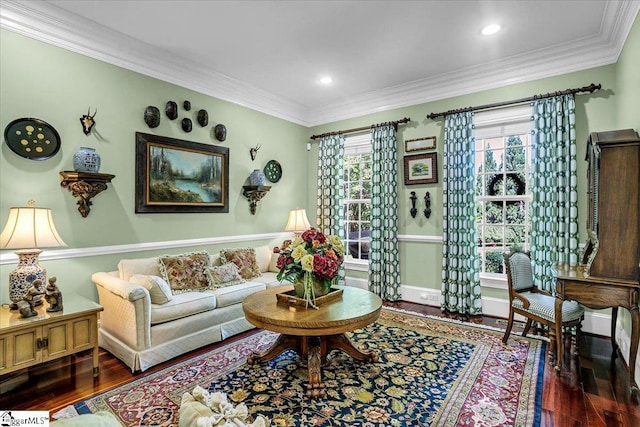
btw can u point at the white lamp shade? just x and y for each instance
(298, 222)
(30, 227)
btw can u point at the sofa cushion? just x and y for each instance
(129, 267)
(235, 294)
(183, 305)
(186, 272)
(224, 275)
(273, 263)
(159, 289)
(244, 259)
(263, 257)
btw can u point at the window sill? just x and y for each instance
(497, 281)
(356, 264)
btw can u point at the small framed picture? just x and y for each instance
(417, 144)
(421, 169)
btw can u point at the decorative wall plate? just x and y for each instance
(273, 171)
(32, 139)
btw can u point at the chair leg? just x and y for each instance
(527, 327)
(507, 332)
(551, 354)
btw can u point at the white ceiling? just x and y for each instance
(269, 55)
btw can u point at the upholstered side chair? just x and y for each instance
(535, 304)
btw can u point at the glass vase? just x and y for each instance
(317, 286)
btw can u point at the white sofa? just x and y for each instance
(143, 334)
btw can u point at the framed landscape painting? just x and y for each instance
(421, 169)
(173, 175)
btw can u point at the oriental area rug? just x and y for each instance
(431, 372)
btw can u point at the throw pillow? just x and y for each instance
(159, 289)
(129, 267)
(244, 259)
(186, 272)
(225, 275)
(99, 419)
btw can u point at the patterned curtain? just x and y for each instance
(330, 216)
(384, 268)
(554, 209)
(460, 261)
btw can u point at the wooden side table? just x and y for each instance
(26, 342)
(599, 293)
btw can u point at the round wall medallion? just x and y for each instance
(203, 118)
(171, 110)
(186, 125)
(273, 171)
(32, 139)
(152, 116)
(220, 132)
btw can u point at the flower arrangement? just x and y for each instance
(311, 257)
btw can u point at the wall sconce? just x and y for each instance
(427, 205)
(413, 210)
(298, 222)
(28, 228)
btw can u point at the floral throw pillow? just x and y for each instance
(225, 275)
(244, 259)
(186, 272)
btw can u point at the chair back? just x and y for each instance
(519, 271)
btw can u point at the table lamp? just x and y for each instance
(297, 222)
(27, 229)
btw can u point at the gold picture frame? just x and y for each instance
(419, 144)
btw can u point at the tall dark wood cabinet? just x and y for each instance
(609, 276)
(614, 205)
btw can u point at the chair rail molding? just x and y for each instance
(11, 258)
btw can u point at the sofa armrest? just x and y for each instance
(127, 310)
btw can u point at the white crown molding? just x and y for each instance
(590, 52)
(45, 22)
(48, 23)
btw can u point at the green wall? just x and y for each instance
(57, 86)
(628, 77)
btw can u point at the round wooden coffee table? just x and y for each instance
(313, 333)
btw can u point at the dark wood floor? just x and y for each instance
(588, 392)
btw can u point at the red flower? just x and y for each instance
(283, 260)
(313, 234)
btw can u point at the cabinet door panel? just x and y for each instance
(83, 333)
(3, 354)
(24, 347)
(58, 340)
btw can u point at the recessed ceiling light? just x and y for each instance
(490, 29)
(326, 80)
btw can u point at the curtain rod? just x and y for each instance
(395, 124)
(591, 88)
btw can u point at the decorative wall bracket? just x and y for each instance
(254, 193)
(427, 205)
(84, 186)
(413, 199)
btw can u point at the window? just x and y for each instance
(357, 195)
(503, 194)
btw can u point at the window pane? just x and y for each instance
(493, 212)
(516, 236)
(493, 262)
(515, 212)
(493, 236)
